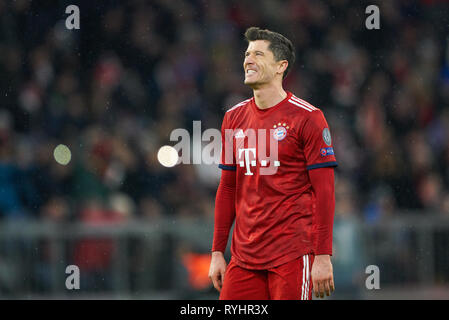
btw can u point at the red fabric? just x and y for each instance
(289, 281)
(274, 205)
(224, 210)
(323, 185)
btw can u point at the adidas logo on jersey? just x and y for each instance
(239, 134)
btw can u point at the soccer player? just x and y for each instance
(282, 204)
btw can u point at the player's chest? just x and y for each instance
(280, 130)
(267, 143)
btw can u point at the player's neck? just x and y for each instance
(268, 97)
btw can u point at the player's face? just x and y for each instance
(260, 65)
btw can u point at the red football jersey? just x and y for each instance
(271, 151)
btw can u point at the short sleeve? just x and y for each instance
(227, 146)
(317, 142)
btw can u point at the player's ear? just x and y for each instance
(282, 66)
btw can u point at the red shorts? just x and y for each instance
(289, 281)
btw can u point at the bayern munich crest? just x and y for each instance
(280, 131)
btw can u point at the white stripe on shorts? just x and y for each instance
(307, 278)
(303, 276)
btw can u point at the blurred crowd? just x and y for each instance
(114, 90)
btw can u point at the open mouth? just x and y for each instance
(250, 72)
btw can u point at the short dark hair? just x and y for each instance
(281, 47)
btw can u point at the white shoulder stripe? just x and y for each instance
(303, 102)
(300, 105)
(239, 104)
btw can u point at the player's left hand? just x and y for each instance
(322, 276)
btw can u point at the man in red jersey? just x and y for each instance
(277, 183)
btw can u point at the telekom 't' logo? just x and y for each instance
(249, 161)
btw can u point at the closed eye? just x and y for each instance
(257, 53)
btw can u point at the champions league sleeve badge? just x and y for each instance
(327, 136)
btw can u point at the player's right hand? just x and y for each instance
(217, 269)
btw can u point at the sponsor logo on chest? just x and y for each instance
(266, 153)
